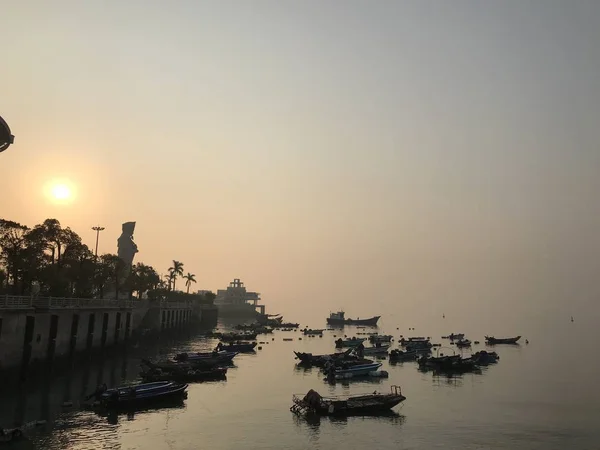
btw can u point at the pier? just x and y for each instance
(37, 329)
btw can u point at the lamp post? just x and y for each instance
(97, 230)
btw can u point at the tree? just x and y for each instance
(13, 245)
(175, 271)
(189, 279)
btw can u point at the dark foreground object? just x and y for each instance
(313, 403)
(6, 138)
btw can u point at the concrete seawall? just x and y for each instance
(34, 330)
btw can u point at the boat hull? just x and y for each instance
(494, 341)
(372, 322)
(144, 393)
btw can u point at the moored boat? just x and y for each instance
(338, 318)
(463, 343)
(381, 338)
(311, 332)
(187, 376)
(142, 393)
(399, 355)
(222, 356)
(313, 403)
(483, 358)
(454, 336)
(353, 342)
(357, 370)
(241, 347)
(376, 350)
(320, 360)
(491, 340)
(246, 336)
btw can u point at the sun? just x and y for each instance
(61, 192)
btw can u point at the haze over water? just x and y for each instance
(539, 396)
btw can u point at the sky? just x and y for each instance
(416, 157)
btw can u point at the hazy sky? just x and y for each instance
(425, 155)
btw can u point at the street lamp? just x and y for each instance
(97, 230)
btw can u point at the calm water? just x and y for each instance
(540, 396)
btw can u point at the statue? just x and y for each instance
(127, 248)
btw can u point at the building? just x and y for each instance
(237, 301)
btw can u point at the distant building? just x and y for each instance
(237, 301)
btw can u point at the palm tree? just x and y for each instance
(175, 271)
(189, 279)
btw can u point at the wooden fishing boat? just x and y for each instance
(339, 319)
(320, 360)
(223, 357)
(240, 347)
(189, 376)
(311, 332)
(313, 403)
(447, 364)
(354, 342)
(399, 355)
(142, 393)
(357, 370)
(454, 336)
(381, 338)
(376, 350)
(483, 358)
(491, 340)
(231, 337)
(463, 343)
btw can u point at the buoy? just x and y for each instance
(273, 339)
(260, 348)
(299, 339)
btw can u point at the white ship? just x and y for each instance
(236, 301)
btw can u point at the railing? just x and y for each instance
(22, 302)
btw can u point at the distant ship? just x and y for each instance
(236, 301)
(338, 318)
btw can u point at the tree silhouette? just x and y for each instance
(175, 271)
(189, 279)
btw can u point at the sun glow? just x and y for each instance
(60, 192)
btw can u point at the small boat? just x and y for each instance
(416, 344)
(230, 337)
(358, 370)
(376, 350)
(454, 336)
(375, 338)
(142, 393)
(240, 347)
(313, 403)
(483, 358)
(189, 376)
(288, 325)
(447, 364)
(320, 360)
(217, 356)
(338, 318)
(399, 356)
(341, 343)
(463, 343)
(491, 340)
(310, 332)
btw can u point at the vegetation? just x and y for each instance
(49, 260)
